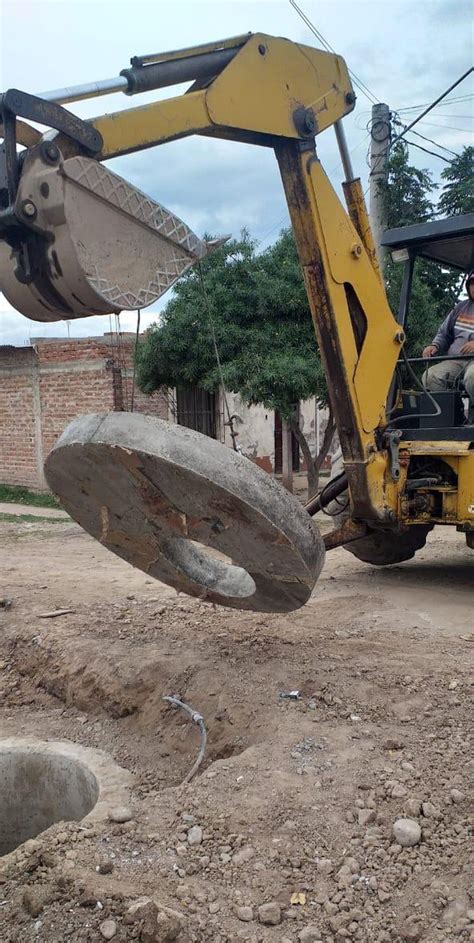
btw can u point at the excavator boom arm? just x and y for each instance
(267, 91)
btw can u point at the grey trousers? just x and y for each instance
(444, 375)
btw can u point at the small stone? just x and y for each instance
(33, 901)
(243, 855)
(195, 835)
(120, 814)
(108, 929)
(457, 795)
(410, 933)
(398, 791)
(245, 914)
(214, 907)
(324, 865)
(413, 806)
(430, 811)
(406, 832)
(392, 744)
(105, 866)
(310, 934)
(366, 816)
(270, 914)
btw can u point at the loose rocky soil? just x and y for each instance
(287, 833)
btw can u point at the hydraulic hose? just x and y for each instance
(329, 493)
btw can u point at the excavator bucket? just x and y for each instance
(86, 242)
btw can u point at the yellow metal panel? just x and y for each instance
(465, 506)
(270, 78)
(357, 209)
(138, 128)
(348, 262)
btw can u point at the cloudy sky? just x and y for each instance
(406, 53)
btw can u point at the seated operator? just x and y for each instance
(455, 336)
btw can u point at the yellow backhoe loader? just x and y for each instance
(77, 240)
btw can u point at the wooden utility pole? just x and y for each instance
(380, 134)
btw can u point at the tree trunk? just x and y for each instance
(313, 465)
(311, 472)
(327, 440)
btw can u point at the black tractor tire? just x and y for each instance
(380, 548)
(383, 549)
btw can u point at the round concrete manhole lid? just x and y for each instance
(187, 510)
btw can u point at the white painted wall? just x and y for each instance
(256, 427)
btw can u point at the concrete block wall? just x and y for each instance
(43, 387)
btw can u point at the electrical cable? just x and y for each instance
(197, 719)
(396, 121)
(444, 104)
(427, 151)
(430, 141)
(436, 101)
(357, 81)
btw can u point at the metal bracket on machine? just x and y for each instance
(13, 104)
(391, 442)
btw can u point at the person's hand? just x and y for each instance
(430, 351)
(467, 348)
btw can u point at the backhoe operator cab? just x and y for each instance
(421, 414)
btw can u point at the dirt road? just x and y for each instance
(287, 833)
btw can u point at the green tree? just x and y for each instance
(458, 192)
(257, 307)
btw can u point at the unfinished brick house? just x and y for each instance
(44, 386)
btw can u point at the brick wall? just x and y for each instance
(44, 386)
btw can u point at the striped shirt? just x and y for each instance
(456, 329)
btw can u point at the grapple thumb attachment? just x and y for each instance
(82, 241)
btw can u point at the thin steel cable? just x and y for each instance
(230, 418)
(132, 399)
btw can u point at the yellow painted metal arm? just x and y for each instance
(272, 88)
(358, 336)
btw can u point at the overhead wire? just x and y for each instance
(355, 78)
(435, 102)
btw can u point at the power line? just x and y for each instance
(430, 141)
(436, 101)
(450, 101)
(425, 149)
(447, 127)
(357, 81)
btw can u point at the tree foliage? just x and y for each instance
(258, 309)
(458, 191)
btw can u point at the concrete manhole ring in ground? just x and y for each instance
(165, 498)
(43, 782)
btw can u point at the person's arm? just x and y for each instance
(443, 339)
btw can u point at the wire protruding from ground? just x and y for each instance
(197, 719)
